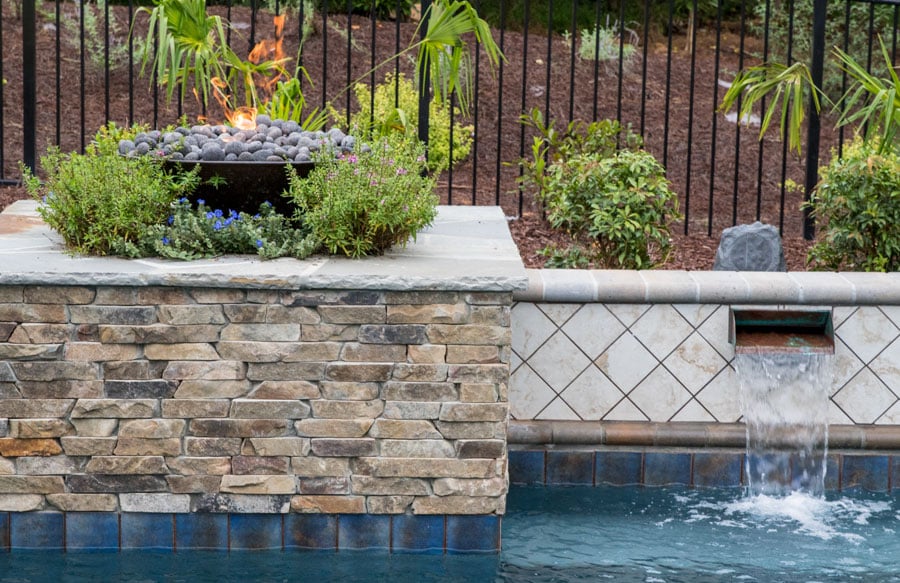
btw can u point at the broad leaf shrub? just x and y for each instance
(98, 201)
(362, 203)
(857, 202)
(401, 116)
(608, 195)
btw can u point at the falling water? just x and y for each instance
(785, 408)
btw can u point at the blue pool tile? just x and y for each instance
(717, 469)
(526, 468)
(147, 531)
(36, 530)
(473, 534)
(618, 468)
(417, 534)
(201, 532)
(256, 531)
(570, 468)
(867, 472)
(310, 531)
(92, 531)
(833, 472)
(662, 469)
(364, 531)
(4, 532)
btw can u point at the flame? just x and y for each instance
(268, 52)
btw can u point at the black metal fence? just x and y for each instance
(659, 66)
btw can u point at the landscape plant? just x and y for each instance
(610, 196)
(364, 202)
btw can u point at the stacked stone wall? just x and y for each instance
(152, 399)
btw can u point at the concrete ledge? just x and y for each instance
(710, 287)
(681, 434)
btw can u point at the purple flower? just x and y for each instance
(401, 171)
(184, 200)
(200, 201)
(219, 213)
(259, 243)
(171, 219)
(165, 240)
(228, 221)
(218, 226)
(210, 215)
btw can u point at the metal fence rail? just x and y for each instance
(69, 67)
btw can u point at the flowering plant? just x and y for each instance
(364, 202)
(195, 233)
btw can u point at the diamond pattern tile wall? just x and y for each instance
(673, 363)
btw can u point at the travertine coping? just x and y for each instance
(467, 249)
(711, 287)
(681, 434)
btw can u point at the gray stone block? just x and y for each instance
(755, 247)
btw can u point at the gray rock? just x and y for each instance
(755, 247)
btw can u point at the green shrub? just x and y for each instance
(857, 202)
(402, 117)
(612, 198)
(98, 200)
(363, 203)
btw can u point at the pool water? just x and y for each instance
(569, 534)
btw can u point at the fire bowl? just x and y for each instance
(242, 185)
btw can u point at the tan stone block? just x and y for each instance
(324, 486)
(152, 428)
(257, 465)
(333, 427)
(367, 485)
(352, 314)
(156, 503)
(420, 372)
(349, 391)
(356, 352)
(35, 313)
(420, 391)
(21, 502)
(7, 467)
(212, 389)
(59, 294)
(411, 410)
(212, 446)
(344, 447)
(427, 353)
(264, 484)
(261, 332)
(39, 428)
(278, 314)
(245, 313)
(35, 408)
(490, 315)
(13, 447)
(417, 448)
(61, 389)
(218, 295)
(474, 412)
(32, 485)
(194, 484)
(428, 314)
(156, 296)
(84, 502)
(95, 427)
(462, 354)
(286, 371)
(240, 427)
(425, 468)
(115, 408)
(182, 351)
(254, 351)
(328, 504)
(404, 429)
(285, 390)
(219, 370)
(198, 466)
(10, 351)
(488, 298)
(479, 373)
(194, 408)
(139, 446)
(26, 333)
(468, 334)
(97, 352)
(57, 465)
(312, 352)
(276, 446)
(126, 315)
(358, 371)
(478, 392)
(86, 446)
(326, 332)
(392, 298)
(323, 409)
(127, 465)
(474, 430)
(268, 409)
(388, 504)
(480, 448)
(158, 334)
(466, 487)
(187, 315)
(320, 467)
(459, 505)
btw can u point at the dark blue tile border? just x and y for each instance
(665, 469)
(526, 468)
(311, 531)
(92, 531)
(473, 534)
(148, 531)
(364, 532)
(832, 472)
(201, 532)
(718, 469)
(4, 532)
(619, 468)
(570, 468)
(868, 472)
(37, 530)
(417, 534)
(256, 532)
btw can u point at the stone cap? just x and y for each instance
(711, 287)
(466, 249)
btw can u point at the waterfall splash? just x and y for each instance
(785, 408)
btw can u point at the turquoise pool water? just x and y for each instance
(651, 535)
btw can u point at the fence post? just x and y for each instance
(29, 84)
(424, 78)
(813, 129)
